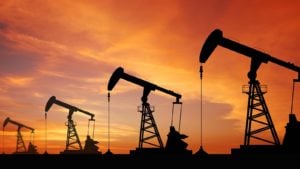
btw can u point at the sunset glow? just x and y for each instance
(69, 49)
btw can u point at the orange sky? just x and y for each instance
(70, 49)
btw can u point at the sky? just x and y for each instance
(69, 49)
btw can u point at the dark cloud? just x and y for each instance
(17, 62)
(3, 25)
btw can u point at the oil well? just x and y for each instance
(20, 145)
(257, 110)
(258, 123)
(149, 133)
(73, 144)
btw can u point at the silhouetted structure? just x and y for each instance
(255, 100)
(72, 136)
(291, 139)
(257, 107)
(201, 152)
(148, 128)
(108, 153)
(175, 143)
(32, 149)
(20, 147)
(90, 145)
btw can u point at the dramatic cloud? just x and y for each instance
(70, 49)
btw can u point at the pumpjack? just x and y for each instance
(149, 133)
(20, 146)
(257, 107)
(73, 144)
